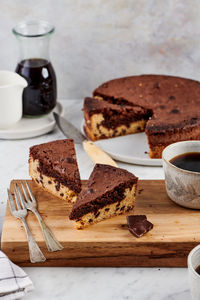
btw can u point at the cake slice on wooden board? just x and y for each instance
(53, 166)
(110, 191)
(105, 120)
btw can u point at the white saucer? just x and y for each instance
(31, 127)
(132, 148)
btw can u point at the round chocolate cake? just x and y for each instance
(171, 107)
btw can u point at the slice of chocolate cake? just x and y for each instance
(109, 192)
(53, 166)
(105, 120)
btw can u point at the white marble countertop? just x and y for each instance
(89, 283)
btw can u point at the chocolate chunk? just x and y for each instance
(57, 186)
(171, 97)
(107, 209)
(138, 225)
(156, 86)
(97, 214)
(70, 160)
(37, 180)
(49, 182)
(174, 111)
(61, 194)
(128, 208)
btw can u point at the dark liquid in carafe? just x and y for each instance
(39, 97)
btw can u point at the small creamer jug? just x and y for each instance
(11, 89)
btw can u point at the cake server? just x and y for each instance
(93, 151)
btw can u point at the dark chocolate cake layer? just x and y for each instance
(111, 112)
(106, 185)
(57, 159)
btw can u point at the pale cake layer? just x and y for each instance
(156, 151)
(109, 210)
(95, 130)
(50, 184)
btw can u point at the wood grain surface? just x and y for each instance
(109, 243)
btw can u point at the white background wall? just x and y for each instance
(97, 40)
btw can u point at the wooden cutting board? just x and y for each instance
(108, 244)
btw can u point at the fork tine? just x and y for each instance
(30, 193)
(25, 192)
(16, 199)
(19, 197)
(11, 201)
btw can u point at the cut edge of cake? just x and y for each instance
(49, 184)
(95, 123)
(110, 210)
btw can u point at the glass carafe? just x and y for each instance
(39, 97)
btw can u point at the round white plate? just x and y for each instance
(31, 127)
(132, 148)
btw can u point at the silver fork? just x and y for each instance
(31, 204)
(20, 212)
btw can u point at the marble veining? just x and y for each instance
(89, 283)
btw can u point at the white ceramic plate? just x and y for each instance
(132, 148)
(31, 127)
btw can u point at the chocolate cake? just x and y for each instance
(53, 167)
(102, 118)
(173, 104)
(109, 191)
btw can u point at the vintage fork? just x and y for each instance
(31, 204)
(20, 212)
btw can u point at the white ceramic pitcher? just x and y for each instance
(11, 88)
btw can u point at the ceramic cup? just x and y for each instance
(11, 88)
(183, 187)
(194, 277)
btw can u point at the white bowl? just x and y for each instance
(194, 277)
(183, 187)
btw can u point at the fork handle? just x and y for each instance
(35, 253)
(51, 242)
